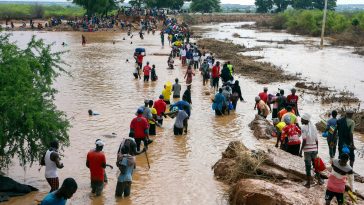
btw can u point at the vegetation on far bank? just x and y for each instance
(347, 28)
(26, 11)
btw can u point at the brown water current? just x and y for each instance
(101, 80)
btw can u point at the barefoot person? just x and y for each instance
(96, 162)
(60, 196)
(51, 161)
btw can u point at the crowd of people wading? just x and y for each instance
(295, 132)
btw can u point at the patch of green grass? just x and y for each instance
(25, 11)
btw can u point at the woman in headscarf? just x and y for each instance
(291, 137)
(236, 94)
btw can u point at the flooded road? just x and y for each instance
(180, 166)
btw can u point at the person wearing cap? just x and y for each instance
(52, 162)
(292, 100)
(96, 162)
(161, 107)
(140, 128)
(345, 130)
(181, 121)
(262, 107)
(309, 146)
(336, 183)
(278, 127)
(291, 137)
(146, 71)
(146, 110)
(60, 196)
(176, 88)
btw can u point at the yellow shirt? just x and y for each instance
(166, 94)
(154, 112)
(280, 126)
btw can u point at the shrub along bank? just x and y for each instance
(346, 28)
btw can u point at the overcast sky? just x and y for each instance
(244, 2)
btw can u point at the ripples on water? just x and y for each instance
(102, 81)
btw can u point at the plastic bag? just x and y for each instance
(319, 165)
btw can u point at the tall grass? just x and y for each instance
(309, 22)
(25, 11)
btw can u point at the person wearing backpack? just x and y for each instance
(126, 165)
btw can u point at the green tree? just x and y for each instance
(205, 6)
(29, 120)
(281, 5)
(320, 4)
(173, 4)
(137, 3)
(98, 6)
(313, 4)
(263, 6)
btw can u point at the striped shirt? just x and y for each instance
(310, 135)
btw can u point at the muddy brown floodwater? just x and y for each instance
(180, 166)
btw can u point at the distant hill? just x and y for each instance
(350, 7)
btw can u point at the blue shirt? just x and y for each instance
(127, 177)
(331, 123)
(219, 101)
(52, 199)
(180, 104)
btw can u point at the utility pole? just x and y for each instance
(323, 26)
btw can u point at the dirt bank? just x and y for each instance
(266, 175)
(327, 95)
(194, 19)
(261, 72)
(358, 118)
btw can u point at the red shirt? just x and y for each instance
(263, 96)
(215, 72)
(293, 133)
(139, 124)
(96, 160)
(160, 106)
(292, 99)
(147, 70)
(140, 58)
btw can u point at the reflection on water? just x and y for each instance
(101, 80)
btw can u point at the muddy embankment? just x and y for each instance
(261, 72)
(267, 175)
(265, 72)
(194, 19)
